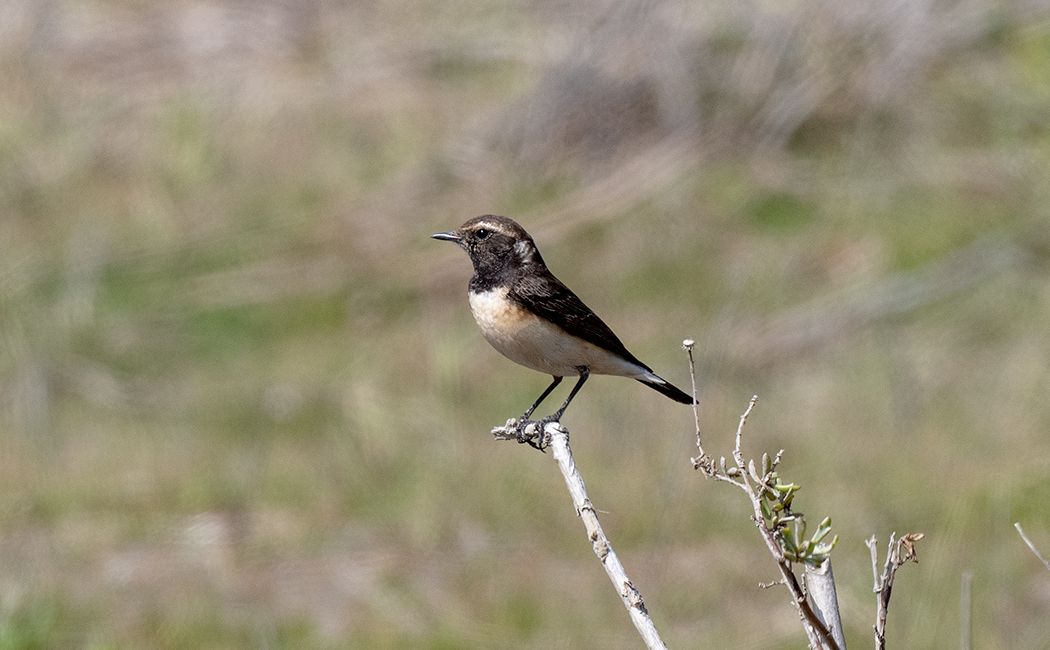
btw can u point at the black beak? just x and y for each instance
(447, 236)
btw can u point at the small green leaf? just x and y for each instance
(800, 531)
(822, 531)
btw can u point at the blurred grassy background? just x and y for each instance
(244, 404)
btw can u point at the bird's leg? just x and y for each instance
(556, 417)
(585, 372)
(528, 412)
(524, 420)
(537, 441)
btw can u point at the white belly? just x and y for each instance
(524, 338)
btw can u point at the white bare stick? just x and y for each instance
(820, 583)
(632, 600)
(1027, 541)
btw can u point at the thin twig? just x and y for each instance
(703, 460)
(738, 456)
(883, 587)
(1027, 541)
(899, 552)
(872, 545)
(632, 599)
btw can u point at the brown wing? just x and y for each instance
(546, 296)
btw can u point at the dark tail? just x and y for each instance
(668, 389)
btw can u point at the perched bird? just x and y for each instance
(533, 319)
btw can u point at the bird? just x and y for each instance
(529, 316)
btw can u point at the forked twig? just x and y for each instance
(755, 484)
(900, 551)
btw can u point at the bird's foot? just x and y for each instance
(531, 433)
(534, 432)
(525, 431)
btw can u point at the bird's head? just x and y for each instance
(494, 243)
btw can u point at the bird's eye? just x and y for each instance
(481, 233)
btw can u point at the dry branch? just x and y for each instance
(820, 584)
(557, 439)
(899, 552)
(1030, 545)
(784, 532)
(757, 485)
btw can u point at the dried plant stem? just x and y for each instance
(818, 633)
(823, 625)
(744, 477)
(817, 605)
(1031, 546)
(820, 584)
(632, 599)
(899, 552)
(703, 460)
(556, 438)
